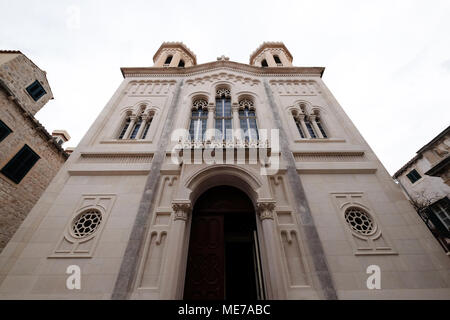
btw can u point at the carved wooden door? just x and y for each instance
(205, 272)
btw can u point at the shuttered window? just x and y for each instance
(35, 90)
(17, 168)
(4, 130)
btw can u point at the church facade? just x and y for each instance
(223, 180)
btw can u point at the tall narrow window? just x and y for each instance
(277, 60)
(147, 126)
(181, 64)
(137, 125)
(4, 130)
(310, 129)
(264, 63)
(247, 119)
(124, 128)
(35, 90)
(322, 130)
(199, 117)
(223, 114)
(17, 168)
(168, 60)
(299, 128)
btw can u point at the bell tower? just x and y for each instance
(173, 55)
(271, 54)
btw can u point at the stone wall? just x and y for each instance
(18, 72)
(16, 200)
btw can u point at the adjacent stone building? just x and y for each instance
(223, 180)
(425, 180)
(29, 155)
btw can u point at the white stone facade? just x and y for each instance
(139, 250)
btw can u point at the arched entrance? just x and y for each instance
(223, 257)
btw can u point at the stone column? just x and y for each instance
(265, 211)
(175, 59)
(130, 127)
(210, 121)
(172, 273)
(301, 118)
(236, 125)
(141, 128)
(155, 121)
(269, 58)
(312, 118)
(293, 126)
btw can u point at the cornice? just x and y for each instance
(222, 64)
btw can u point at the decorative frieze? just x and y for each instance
(148, 87)
(211, 78)
(295, 87)
(115, 158)
(329, 156)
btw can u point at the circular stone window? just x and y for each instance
(359, 220)
(86, 223)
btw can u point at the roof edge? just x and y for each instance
(131, 71)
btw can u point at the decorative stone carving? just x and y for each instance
(246, 103)
(365, 233)
(84, 230)
(181, 210)
(295, 87)
(223, 92)
(265, 209)
(223, 58)
(212, 78)
(200, 104)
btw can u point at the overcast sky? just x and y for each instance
(387, 62)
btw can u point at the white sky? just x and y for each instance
(387, 62)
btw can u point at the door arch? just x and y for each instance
(223, 256)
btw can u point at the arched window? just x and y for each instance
(247, 120)
(136, 127)
(125, 127)
(277, 60)
(298, 124)
(181, 64)
(168, 60)
(264, 63)
(147, 126)
(223, 114)
(360, 221)
(310, 128)
(199, 117)
(322, 130)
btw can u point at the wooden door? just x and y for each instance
(205, 272)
